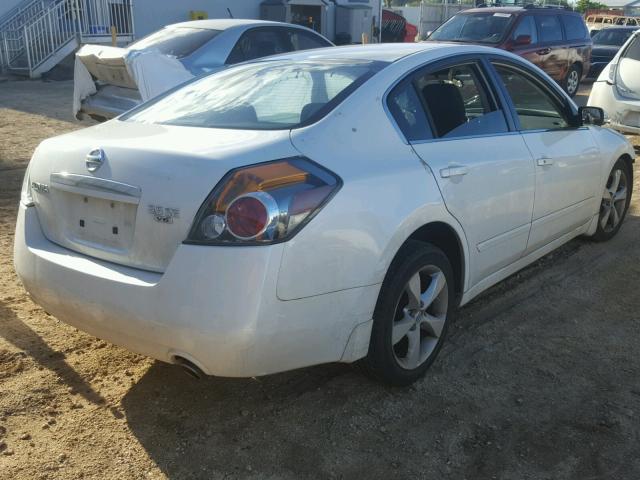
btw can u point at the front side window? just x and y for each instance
(458, 104)
(549, 27)
(274, 95)
(258, 43)
(474, 27)
(175, 41)
(535, 107)
(574, 27)
(527, 26)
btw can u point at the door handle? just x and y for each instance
(453, 172)
(543, 51)
(544, 161)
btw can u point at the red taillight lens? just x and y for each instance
(263, 203)
(247, 217)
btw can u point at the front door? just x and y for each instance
(484, 171)
(566, 158)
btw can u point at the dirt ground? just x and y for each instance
(539, 379)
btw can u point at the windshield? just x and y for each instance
(474, 27)
(612, 37)
(270, 95)
(175, 41)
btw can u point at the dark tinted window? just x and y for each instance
(574, 27)
(405, 107)
(611, 36)
(175, 41)
(303, 40)
(549, 28)
(536, 108)
(633, 50)
(474, 27)
(526, 26)
(457, 103)
(258, 43)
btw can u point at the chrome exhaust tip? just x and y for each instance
(189, 367)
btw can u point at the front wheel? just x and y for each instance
(572, 80)
(412, 314)
(616, 198)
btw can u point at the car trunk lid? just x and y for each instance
(138, 205)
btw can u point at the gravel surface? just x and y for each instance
(539, 379)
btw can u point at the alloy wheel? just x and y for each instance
(614, 200)
(572, 82)
(420, 317)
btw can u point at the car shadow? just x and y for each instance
(21, 336)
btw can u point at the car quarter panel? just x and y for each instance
(346, 245)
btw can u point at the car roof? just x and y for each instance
(620, 27)
(518, 10)
(227, 23)
(378, 52)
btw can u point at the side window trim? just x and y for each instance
(560, 101)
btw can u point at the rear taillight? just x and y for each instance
(25, 194)
(264, 203)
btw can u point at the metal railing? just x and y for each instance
(96, 17)
(48, 33)
(40, 29)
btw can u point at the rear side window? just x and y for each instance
(633, 50)
(258, 43)
(404, 104)
(527, 26)
(549, 28)
(177, 42)
(303, 40)
(574, 27)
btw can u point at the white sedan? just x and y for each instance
(334, 205)
(617, 89)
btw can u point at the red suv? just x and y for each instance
(554, 39)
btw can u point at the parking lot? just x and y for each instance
(539, 378)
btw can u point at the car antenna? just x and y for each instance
(230, 14)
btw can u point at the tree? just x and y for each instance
(584, 5)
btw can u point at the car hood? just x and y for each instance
(139, 205)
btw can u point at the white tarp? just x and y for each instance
(155, 73)
(149, 71)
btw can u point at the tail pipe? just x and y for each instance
(189, 367)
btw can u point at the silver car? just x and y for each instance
(201, 46)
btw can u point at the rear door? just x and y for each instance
(578, 41)
(566, 158)
(551, 54)
(457, 125)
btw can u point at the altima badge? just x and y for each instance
(94, 159)
(163, 214)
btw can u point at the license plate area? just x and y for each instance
(97, 222)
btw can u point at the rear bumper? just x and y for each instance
(216, 306)
(110, 101)
(623, 113)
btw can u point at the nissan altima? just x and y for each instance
(334, 205)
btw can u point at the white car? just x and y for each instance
(323, 206)
(617, 90)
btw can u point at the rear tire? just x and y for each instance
(414, 309)
(571, 83)
(616, 199)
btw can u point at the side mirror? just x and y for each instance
(522, 40)
(591, 115)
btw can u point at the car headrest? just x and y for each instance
(446, 105)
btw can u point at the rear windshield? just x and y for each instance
(474, 27)
(271, 95)
(611, 36)
(175, 41)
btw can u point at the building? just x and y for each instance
(37, 34)
(629, 8)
